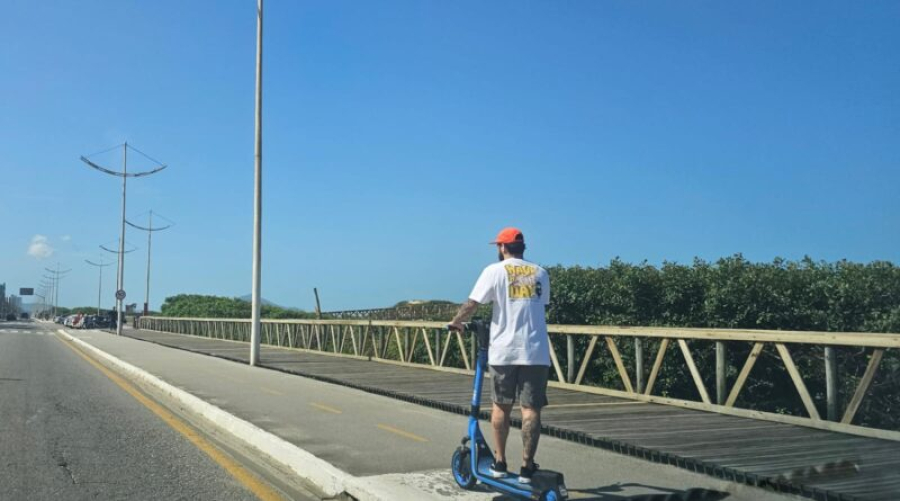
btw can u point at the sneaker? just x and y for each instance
(526, 473)
(498, 469)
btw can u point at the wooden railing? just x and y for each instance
(429, 344)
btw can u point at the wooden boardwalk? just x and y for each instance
(818, 464)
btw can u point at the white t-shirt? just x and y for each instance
(519, 291)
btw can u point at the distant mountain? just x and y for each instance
(265, 302)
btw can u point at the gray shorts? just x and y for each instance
(526, 384)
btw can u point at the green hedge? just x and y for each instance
(201, 306)
(736, 293)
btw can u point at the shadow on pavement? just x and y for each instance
(613, 493)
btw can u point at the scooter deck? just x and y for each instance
(542, 480)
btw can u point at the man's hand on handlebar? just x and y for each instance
(465, 313)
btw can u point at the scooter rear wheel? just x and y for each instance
(461, 465)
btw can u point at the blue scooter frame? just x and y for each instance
(472, 464)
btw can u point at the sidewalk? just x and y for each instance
(396, 446)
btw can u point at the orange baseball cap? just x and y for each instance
(508, 236)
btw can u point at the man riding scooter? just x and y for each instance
(519, 355)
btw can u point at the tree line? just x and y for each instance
(733, 292)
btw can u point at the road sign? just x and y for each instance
(120, 294)
(26, 291)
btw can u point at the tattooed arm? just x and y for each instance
(463, 315)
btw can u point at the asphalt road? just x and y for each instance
(389, 441)
(67, 431)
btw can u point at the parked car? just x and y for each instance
(11, 316)
(72, 321)
(96, 322)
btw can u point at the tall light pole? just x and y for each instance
(41, 309)
(257, 195)
(120, 258)
(120, 277)
(57, 275)
(149, 229)
(46, 287)
(100, 267)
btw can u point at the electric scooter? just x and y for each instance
(471, 461)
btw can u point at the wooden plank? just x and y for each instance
(638, 365)
(412, 345)
(720, 372)
(385, 341)
(399, 345)
(619, 364)
(694, 372)
(559, 372)
(745, 371)
(851, 429)
(364, 343)
(353, 341)
(428, 346)
(798, 381)
(831, 384)
(587, 358)
(462, 350)
(446, 348)
(863, 386)
(654, 371)
(593, 404)
(876, 340)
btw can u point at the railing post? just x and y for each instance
(831, 389)
(721, 393)
(638, 365)
(405, 349)
(570, 358)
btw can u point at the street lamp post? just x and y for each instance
(121, 255)
(57, 275)
(149, 229)
(257, 196)
(120, 278)
(100, 267)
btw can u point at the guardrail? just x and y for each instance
(705, 355)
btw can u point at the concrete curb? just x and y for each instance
(331, 480)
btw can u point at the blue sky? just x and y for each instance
(401, 136)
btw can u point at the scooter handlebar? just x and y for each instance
(481, 330)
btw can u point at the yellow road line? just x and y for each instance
(270, 391)
(249, 480)
(326, 408)
(402, 433)
(595, 403)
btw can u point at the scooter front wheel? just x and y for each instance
(551, 495)
(461, 465)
